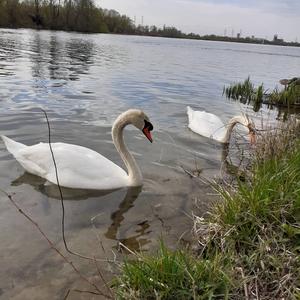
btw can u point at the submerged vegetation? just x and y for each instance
(248, 246)
(247, 93)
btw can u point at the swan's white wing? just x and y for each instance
(78, 167)
(206, 124)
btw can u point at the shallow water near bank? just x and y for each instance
(84, 82)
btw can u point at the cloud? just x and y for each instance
(289, 7)
(260, 18)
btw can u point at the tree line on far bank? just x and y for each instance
(69, 15)
(73, 15)
(85, 16)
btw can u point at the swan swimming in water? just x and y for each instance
(80, 167)
(211, 126)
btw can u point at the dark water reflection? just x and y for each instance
(118, 216)
(84, 82)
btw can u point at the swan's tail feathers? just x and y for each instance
(12, 146)
(189, 109)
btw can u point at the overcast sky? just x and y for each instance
(262, 18)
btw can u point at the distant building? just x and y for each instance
(276, 39)
(238, 35)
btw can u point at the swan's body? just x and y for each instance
(80, 167)
(211, 126)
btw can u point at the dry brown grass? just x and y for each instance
(273, 142)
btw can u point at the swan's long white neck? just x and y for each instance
(229, 127)
(134, 172)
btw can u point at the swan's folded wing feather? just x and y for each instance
(207, 124)
(78, 167)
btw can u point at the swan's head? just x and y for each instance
(247, 122)
(252, 133)
(140, 120)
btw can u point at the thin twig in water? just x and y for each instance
(94, 229)
(62, 200)
(59, 187)
(87, 292)
(67, 294)
(102, 278)
(188, 172)
(126, 248)
(99, 292)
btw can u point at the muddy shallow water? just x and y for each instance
(84, 82)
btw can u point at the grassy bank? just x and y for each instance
(248, 247)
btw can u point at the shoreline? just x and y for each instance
(246, 245)
(200, 38)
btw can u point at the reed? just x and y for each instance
(247, 93)
(287, 97)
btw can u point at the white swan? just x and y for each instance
(211, 126)
(80, 167)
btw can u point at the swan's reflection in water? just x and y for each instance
(51, 191)
(136, 241)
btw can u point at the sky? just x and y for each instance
(261, 18)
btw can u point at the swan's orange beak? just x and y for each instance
(252, 135)
(147, 134)
(146, 130)
(252, 138)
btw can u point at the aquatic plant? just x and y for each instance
(240, 91)
(247, 93)
(287, 97)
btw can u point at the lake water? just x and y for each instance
(84, 82)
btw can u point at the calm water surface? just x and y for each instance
(84, 82)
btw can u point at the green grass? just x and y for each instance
(286, 97)
(258, 222)
(173, 275)
(247, 93)
(249, 244)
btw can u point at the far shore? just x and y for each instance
(213, 38)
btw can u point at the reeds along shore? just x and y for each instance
(247, 93)
(248, 246)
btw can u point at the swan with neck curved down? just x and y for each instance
(211, 126)
(80, 167)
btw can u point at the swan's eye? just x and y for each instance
(148, 125)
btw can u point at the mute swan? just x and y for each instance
(209, 125)
(80, 167)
